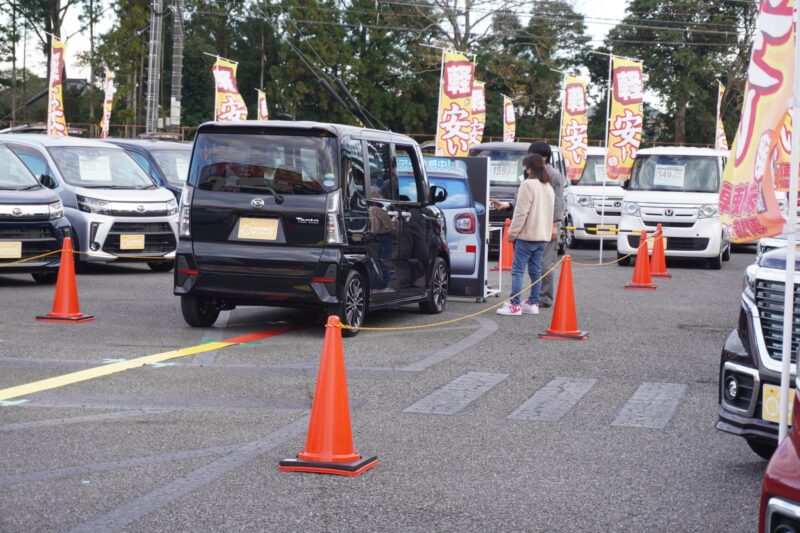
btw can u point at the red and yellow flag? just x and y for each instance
(574, 126)
(108, 103)
(263, 110)
(229, 104)
(721, 141)
(509, 120)
(478, 114)
(454, 126)
(626, 118)
(747, 203)
(56, 121)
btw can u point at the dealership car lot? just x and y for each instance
(479, 425)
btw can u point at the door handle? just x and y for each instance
(406, 215)
(393, 214)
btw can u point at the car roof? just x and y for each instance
(335, 129)
(682, 150)
(154, 144)
(47, 141)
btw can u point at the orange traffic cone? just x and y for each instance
(65, 302)
(329, 443)
(658, 262)
(564, 325)
(507, 251)
(641, 272)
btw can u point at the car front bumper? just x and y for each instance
(702, 240)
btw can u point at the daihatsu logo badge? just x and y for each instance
(669, 212)
(257, 203)
(17, 212)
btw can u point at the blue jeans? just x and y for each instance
(526, 253)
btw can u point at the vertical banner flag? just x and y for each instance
(626, 118)
(263, 111)
(574, 127)
(56, 122)
(108, 103)
(759, 157)
(478, 115)
(721, 142)
(453, 128)
(509, 120)
(229, 104)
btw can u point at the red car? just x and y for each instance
(780, 493)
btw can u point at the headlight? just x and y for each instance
(172, 206)
(56, 210)
(749, 282)
(708, 211)
(93, 205)
(630, 209)
(583, 201)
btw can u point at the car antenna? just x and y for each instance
(358, 106)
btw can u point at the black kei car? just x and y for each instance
(306, 214)
(32, 222)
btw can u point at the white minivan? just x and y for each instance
(678, 188)
(590, 204)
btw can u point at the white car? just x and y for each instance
(590, 204)
(678, 188)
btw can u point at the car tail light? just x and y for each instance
(184, 213)
(334, 228)
(465, 223)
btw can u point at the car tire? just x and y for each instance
(161, 266)
(764, 451)
(726, 254)
(436, 300)
(715, 263)
(623, 262)
(352, 306)
(198, 312)
(45, 278)
(571, 242)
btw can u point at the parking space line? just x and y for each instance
(554, 400)
(651, 406)
(457, 394)
(113, 368)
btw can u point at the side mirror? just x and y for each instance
(480, 209)
(438, 194)
(47, 181)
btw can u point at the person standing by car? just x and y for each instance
(530, 230)
(551, 249)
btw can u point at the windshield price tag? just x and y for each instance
(600, 172)
(182, 168)
(503, 170)
(669, 176)
(95, 168)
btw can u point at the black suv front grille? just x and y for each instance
(676, 244)
(35, 241)
(769, 300)
(158, 238)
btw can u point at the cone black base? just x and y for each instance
(353, 469)
(664, 276)
(83, 318)
(579, 336)
(633, 287)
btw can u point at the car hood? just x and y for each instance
(672, 197)
(611, 191)
(127, 195)
(35, 196)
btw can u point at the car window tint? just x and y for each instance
(380, 173)
(353, 157)
(35, 161)
(457, 192)
(408, 187)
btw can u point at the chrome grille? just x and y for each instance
(769, 300)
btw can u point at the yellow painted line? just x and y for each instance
(105, 370)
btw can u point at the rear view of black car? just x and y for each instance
(32, 222)
(302, 214)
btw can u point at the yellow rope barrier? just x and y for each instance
(54, 252)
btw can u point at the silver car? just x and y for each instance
(117, 212)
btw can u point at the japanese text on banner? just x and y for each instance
(721, 141)
(509, 120)
(108, 103)
(626, 118)
(263, 111)
(454, 124)
(574, 127)
(56, 121)
(759, 155)
(229, 104)
(478, 115)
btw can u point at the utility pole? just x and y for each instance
(154, 65)
(177, 65)
(14, 37)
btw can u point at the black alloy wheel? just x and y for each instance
(199, 312)
(352, 306)
(437, 291)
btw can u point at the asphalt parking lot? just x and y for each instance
(479, 426)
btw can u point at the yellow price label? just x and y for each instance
(258, 229)
(10, 250)
(131, 242)
(771, 404)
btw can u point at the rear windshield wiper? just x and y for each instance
(277, 195)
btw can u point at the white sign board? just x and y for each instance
(503, 171)
(95, 168)
(669, 176)
(182, 168)
(600, 172)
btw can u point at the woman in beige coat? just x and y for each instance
(530, 231)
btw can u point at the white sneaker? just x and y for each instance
(510, 309)
(530, 309)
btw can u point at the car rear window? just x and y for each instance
(289, 164)
(457, 192)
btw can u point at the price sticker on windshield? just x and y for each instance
(669, 176)
(600, 172)
(503, 170)
(94, 168)
(182, 169)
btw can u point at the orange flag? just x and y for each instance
(263, 111)
(56, 121)
(229, 104)
(574, 126)
(454, 126)
(108, 103)
(478, 115)
(509, 120)
(626, 118)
